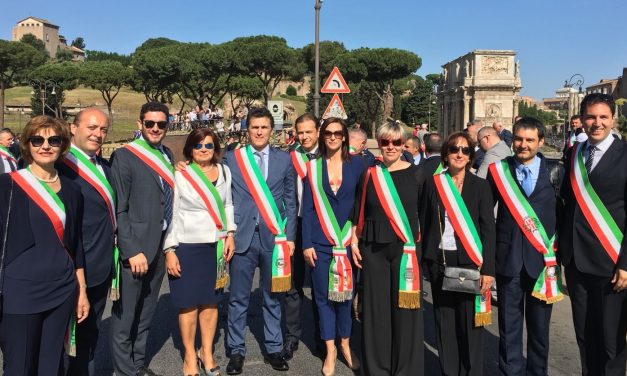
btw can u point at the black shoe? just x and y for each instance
(236, 363)
(145, 371)
(290, 347)
(276, 361)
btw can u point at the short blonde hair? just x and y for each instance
(392, 131)
(38, 123)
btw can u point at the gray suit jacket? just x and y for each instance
(140, 206)
(282, 185)
(497, 153)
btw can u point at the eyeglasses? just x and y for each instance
(385, 142)
(455, 149)
(53, 141)
(208, 146)
(337, 134)
(151, 123)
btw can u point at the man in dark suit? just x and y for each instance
(89, 131)
(518, 263)
(592, 245)
(432, 159)
(144, 211)
(254, 241)
(8, 160)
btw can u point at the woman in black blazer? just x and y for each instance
(43, 280)
(459, 324)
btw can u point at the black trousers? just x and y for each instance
(88, 331)
(600, 320)
(516, 305)
(392, 338)
(460, 343)
(293, 299)
(32, 344)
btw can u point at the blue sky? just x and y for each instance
(553, 38)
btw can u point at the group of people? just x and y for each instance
(78, 229)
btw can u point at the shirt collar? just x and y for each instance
(158, 147)
(535, 163)
(605, 144)
(263, 151)
(83, 152)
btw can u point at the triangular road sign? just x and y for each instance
(335, 109)
(335, 84)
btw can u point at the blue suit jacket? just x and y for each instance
(281, 182)
(342, 203)
(98, 235)
(513, 250)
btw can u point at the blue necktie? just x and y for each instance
(527, 184)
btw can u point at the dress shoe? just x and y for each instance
(145, 371)
(236, 363)
(290, 347)
(276, 361)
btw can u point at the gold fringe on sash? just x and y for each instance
(337, 296)
(409, 299)
(281, 283)
(114, 294)
(543, 297)
(222, 282)
(483, 319)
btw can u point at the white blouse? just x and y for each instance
(191, 221)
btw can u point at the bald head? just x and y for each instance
(498, 126)
(487, 137)
(89, 130)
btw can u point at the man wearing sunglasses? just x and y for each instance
(143, 180)
(93, 175)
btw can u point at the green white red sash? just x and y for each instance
(409, 274)
(6, 153)
(465, 229)
(299, 160)
(47, 200)
(154, 159)
(340, 270)
(548, 284)
(595, 212)
(352, 150)
(439, 169)
(281, 266)
(213, 202)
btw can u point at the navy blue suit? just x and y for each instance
(98, 243)
(518, 265)
(39, 280)
(332, 314)
(253, 248)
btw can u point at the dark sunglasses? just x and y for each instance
(455, 149)
(53, 141)
(151, 123)
(208, 146)
(337, 134)
(385, 142)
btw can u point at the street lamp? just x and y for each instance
(316, 96)
(431, 101)
(575, 80)
(43, 89)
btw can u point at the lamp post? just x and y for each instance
(43, 89)
(575, 80)
(316, 96)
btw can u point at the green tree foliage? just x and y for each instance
(16, 60)
(244, 91)
(153, 43)
(546, 117)
(417, 108)
(270, 59)
(291, 90)
(64, 54)
(65, 75)
(329, 51)
(79, 42)
(35, 42)
(93, 55)
(108, 77)
(156, 73)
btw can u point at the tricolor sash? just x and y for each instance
(409, 275)
(465, 229)
(439, 169)
(153, 159)
(548, 284)
(599, 218)
(78, 162)
(352, 150)
(299, 160)
(212, 200)
(253, 177)
(6, 153)
(340, 270)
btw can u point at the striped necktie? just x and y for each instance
(591, 150)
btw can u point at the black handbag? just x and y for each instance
(458, 279)
(4, 248)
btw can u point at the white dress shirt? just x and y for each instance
(299, 184)
(601, 149)
(191, 221)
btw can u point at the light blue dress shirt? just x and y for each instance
(534, 168)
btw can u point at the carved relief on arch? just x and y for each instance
(493, 110)
(494, 65)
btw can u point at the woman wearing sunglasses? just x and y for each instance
(459, 236)
(198, 245)
(328, 197)
(386, 223)
(42, 275)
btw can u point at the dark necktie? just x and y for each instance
(167, 195)
(592, 149)
(311, 156)
(12, 165)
